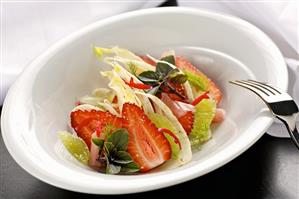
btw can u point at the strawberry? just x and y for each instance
(86, 123)
(79, 116)
(183, 63)
(187, 121)
(147, 60)
(148, 147)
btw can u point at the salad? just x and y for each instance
(152, 113)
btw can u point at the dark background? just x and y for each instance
(268, 170)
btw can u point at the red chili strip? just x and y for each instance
(132, 84)
(176, 140)
(201, 97)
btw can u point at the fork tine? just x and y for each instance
(260, 86)
(264, 91)
(252, 88)
(265, 85)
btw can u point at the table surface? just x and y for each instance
(268, 170)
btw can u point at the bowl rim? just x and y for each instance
(234, 150)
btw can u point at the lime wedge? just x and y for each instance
(75, 145)
(203, 116)
(197, 81)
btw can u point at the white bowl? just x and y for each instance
(38, 103)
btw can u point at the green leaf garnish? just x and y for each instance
(179, 79)
(108, 148)
(176, 76)
(170, 59)
(130, 168)
(122, 157)
(114, 153)
(149, 77)
(99, 142)
(119, 139)
(159, 79)
(163, 68)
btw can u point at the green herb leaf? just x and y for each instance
(109, 148)
(112, 168)
(179, 79)
(149, 77)
(177, 76)
(169, 59)
(122, 157)
(130, 168)
(114, 153)
(98, 142)
(163, 68)
(119, 139)
(173, 73)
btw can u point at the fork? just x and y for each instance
(280, 103)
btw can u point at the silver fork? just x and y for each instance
(280, 103)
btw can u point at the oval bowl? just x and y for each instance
(227, 48)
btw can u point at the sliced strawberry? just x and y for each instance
(87, 128)
(147, 60)
(183, 63)
(79, 116)
(148, 147)
(85, 123)
(187, 121)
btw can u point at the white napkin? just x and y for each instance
(29, 28)
(279, 20)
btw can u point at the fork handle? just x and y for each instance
(292, 129)
(295, 136)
